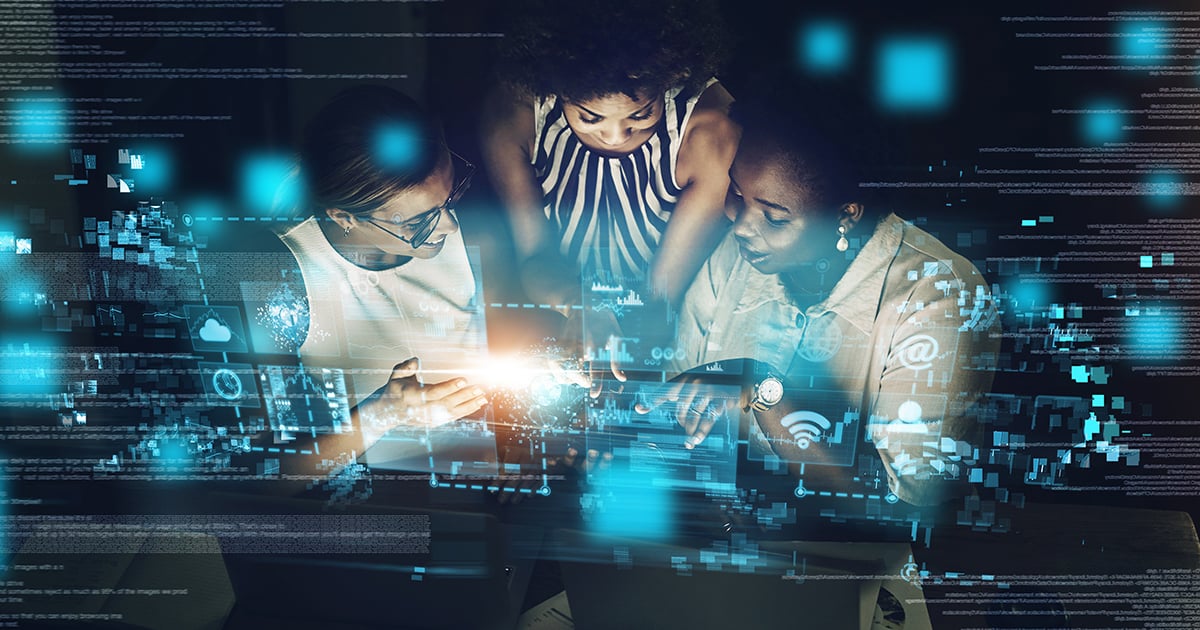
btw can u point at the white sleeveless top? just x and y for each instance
(610, 212)
(365, 322)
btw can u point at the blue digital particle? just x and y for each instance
(269, 183)
(1164, 190)
(1079, 373)
(914, 74)
(154, 172)
(1102, 121)
(824, 46)
(397, 146)
(632, 506)
(1138, 39)
(1153, 333)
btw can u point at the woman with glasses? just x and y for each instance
(609, 144)
(385, 272)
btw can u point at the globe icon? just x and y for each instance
(822, 339)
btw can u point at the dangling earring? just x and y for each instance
(347, 231)
(842, 243)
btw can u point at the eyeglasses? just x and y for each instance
(422, 226)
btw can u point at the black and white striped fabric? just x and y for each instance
(610, 212)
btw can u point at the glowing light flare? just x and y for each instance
(540, 374)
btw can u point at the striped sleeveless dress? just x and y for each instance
(610, 212)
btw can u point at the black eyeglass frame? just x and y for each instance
(427, 221)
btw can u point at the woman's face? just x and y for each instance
(614, 124)
(404, 212)
(776, 228)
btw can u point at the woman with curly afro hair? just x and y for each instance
(609, 143)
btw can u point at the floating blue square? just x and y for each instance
(914, 74)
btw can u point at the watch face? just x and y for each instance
(770, 391)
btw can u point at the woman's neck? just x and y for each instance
(814, 281)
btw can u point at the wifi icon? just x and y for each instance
(806, 427)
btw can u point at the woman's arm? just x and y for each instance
(508, 139)
(698, 221)
(946, 390)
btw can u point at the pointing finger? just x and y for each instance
(694, 439)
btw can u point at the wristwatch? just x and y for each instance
(767, 393)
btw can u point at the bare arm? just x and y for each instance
(508, 140)
(698, 221)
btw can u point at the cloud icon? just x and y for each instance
(214, 332)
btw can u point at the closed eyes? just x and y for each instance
(647, 115)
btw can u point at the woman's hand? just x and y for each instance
(696, 403)
(700, 398)
(404, 400)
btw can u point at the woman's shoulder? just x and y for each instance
(713, 96)
(504, 106)
(710, 137)
(933, 255)
(509, 118)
